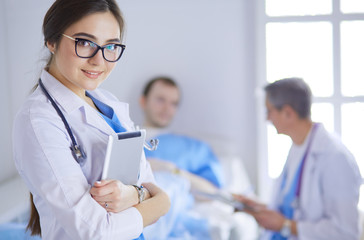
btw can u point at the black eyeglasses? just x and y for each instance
(87, 49)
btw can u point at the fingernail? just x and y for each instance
(98, 182)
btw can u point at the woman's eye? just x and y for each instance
(85, 43)
(110, 47)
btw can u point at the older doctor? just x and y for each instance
(61, 132)
(317, 194)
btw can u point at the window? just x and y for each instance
(297, 7)
(320, 41)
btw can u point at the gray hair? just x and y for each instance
(293, 92)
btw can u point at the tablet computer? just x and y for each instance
(123, 155)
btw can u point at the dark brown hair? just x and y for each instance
(166, 80)
(61, 15)
(64, 13)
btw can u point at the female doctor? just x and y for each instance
(61, 131)
(317, 194)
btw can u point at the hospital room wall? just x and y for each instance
(6, 169)
(206, 45)
(20, 47)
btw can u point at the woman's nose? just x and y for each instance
(97, 59)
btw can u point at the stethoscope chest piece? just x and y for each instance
(79, 154)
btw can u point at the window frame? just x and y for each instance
(337, 99)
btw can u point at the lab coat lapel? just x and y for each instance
(93, 118)
(122, 112)
(121, 109)
(310, 165)
(73, 105)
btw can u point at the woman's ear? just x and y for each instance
(51, 47)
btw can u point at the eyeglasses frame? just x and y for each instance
(98, 47)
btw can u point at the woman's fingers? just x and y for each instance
(108, 205)
(113, 195)
(104, 188)
(104, 198)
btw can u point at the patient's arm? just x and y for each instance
(197, 183)
(161, 165)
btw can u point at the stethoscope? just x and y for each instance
(77, 151)
(299, 173)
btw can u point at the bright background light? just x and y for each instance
(352, 6)
(301, 50)
(298, 7)
(352, 58)
(306, 49)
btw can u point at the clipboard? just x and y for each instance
(123, 156)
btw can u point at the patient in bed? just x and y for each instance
(183, 167)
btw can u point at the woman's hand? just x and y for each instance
(114, 196)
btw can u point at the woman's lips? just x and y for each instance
(92, 74)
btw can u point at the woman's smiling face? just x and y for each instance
(80, 74)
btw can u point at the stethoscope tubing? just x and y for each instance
(70, 133)
(77, 150)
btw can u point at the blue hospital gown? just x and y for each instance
(189, 154)
(196, 157)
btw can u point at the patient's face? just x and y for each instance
(161, 105)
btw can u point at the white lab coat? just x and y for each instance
(329, 192)
(60, 186)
